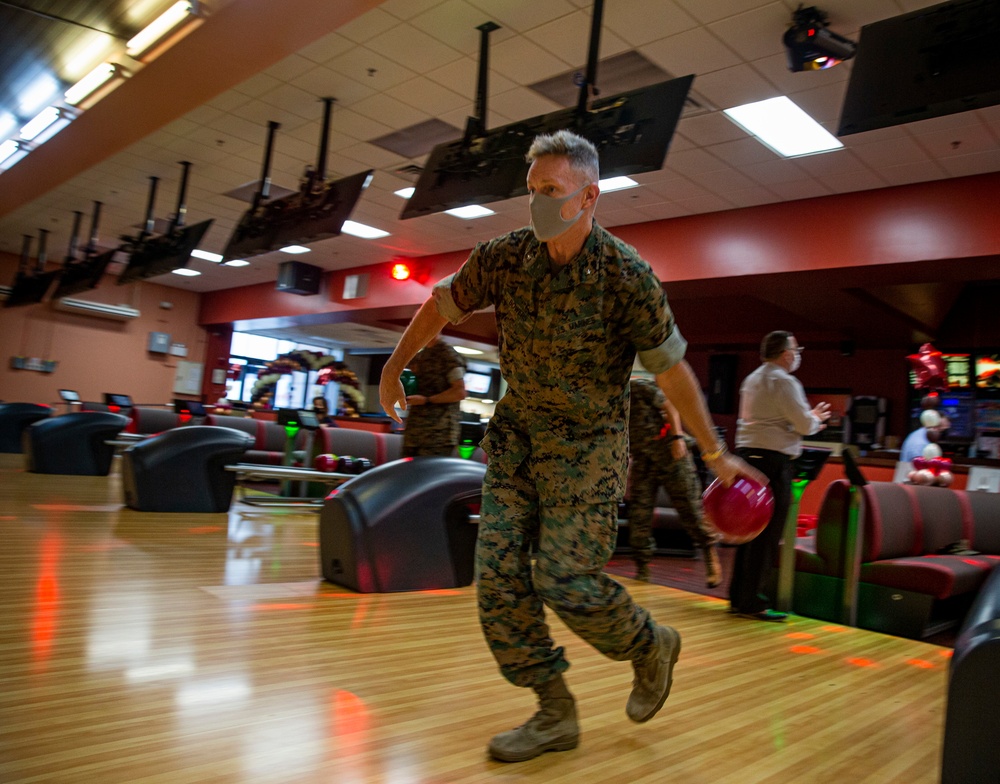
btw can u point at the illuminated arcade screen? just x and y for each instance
(988, 371)
(958, 369)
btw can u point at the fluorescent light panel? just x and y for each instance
(158, 28)
(294, 249)
(470, 212)
(469, 351)
(206, 256)
(189, 273)
(92, 82)
(360, 230)
(405, 193)
(39, 123)
(616, 184)
(784, 127)
(236, 263)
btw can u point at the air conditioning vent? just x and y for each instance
(97, 309)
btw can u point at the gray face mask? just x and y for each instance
(796, 362)
(546, 219)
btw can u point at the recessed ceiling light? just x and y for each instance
(469, 351)
(189, 273)
(784, 127)
(236, 263)
(204, 254)
(616, 184)
(405, 193)
(39, 123)
(470, 212)
(295, 249)
(360, 230)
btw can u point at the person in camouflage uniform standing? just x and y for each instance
(664, 459)
(432, 424)
(574, 305)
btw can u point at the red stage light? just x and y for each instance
(400, 271)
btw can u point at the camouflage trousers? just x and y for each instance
(649, 472)
(570, 546)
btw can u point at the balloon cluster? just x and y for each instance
(931, 470)
(330, 369)
(928, 366)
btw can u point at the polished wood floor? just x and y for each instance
(165, 649)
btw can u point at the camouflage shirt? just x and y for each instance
(434, 424)
(645, 418)
(568, 337)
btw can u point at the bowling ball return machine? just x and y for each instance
(805, 468)
(408, 525)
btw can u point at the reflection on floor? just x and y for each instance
(168, 649)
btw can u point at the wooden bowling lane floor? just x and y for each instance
(167, 649)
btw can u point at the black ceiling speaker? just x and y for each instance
(297, 277)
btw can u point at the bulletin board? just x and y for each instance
(187, 379)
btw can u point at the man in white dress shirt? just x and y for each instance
(774, 416)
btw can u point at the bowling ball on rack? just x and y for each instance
(326, 463)
(345, 465)
(361, 464)
(739, 512)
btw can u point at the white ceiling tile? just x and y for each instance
(848, 182)
(907, 173)
(326, 48)
(734, 86)
(641, 21)
(957, 141)
(755, 33)
(890, 153)
(257, 85)
(722, 181)
(664, 211)
(706, 11)
(688, 162)
(429, 96)
(774, 171)
(292, 67)
(373, 157)
(524, 61)
(407, 9)
(743, 152)
(371, 69)
(975, 163)
(710, 129)
(323, 82)
(799, 189)
(752, 197)
(460, 77)
(521, 103)
(708, 203)
(455, 23)
(522, 15)
(834, 162)
(691, 52)
(368, 25)
(387, 110)
(568, 38)
(412, 48)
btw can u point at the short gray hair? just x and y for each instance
(774, 344)
(582, 155)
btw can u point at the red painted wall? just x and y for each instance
(96, 355)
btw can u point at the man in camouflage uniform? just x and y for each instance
(662, 457)
(573, 307)
(432, 424)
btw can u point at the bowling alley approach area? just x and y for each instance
(173, 648)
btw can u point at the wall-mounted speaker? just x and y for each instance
(722, 383)
(297, 277)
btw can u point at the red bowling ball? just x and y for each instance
(326, 463)
(739, 512)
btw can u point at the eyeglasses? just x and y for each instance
(796, 349)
